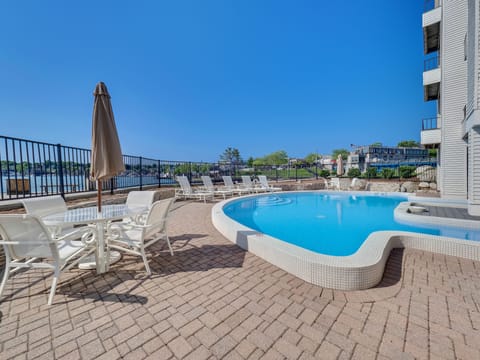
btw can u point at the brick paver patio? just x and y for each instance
(213, 300)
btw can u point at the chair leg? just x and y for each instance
(144, 257)
(5, 278)
(169, 245)
(56, 275)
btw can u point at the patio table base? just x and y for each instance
(89, 262)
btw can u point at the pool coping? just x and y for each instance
(361, 270)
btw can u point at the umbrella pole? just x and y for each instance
(99, 195)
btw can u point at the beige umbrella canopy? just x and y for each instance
(339, 165)
(106, 158)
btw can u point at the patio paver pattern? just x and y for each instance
(213, 300)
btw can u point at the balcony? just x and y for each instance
(431, 26)
(431, 78)
(431, 132)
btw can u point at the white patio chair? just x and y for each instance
(227, 180)
(139, 199)
(187, 192)
(207, 182)
(27, 243)
(134, 239)
(47, 205)
(264, 184)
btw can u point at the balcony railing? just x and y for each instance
(430, 123)
(431, 4)
(431, 63)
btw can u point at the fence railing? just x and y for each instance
(430, 123)
(31, 169)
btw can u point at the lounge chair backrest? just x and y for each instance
(207, 182)
(157, 216)
(44, 206)
(247, 181)
(184, 184)
(29, 237)
(227, 179)
(263, 180)
(140, 198)
(335, 183)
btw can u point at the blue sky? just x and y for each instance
(190, 78)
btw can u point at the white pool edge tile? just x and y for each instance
(361, 270)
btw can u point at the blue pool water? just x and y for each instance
(331, 224)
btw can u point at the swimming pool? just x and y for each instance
(330, 223)
(316, 255)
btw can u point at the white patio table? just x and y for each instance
(90, 215)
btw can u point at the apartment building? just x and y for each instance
(451, 78)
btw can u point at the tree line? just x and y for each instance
(231, 156)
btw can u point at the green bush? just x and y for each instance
(387, 173)
(324, 173)
(353, 172)
(371, 172)
(406, 172)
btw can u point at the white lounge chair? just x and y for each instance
(265, 186)
(207, 182)
(227, 180)
(187, 192)
(248, 184)
(135, 238)
(335, 183)
(27, 243)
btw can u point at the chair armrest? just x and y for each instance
(86, 233)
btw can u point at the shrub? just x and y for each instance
(371, 172)
(353, 172)
(406, 171)
(387, 173)
(324, 173)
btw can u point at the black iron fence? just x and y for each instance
(31, 169)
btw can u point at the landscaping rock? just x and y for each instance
(424, 185)
(384, 187)
(408, 186)
(433, 186)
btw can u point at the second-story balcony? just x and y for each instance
(431, 19)
(431, 131)
(431, 78)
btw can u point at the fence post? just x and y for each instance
(296, 173)
(316, 170)
(112, 183)
(158, 175)
(141, 180)
(61, 185)
(190, 171)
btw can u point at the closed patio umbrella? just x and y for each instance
(339, 165)
(106, 158)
